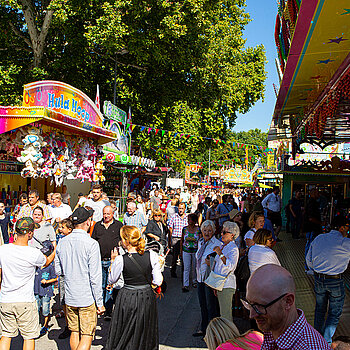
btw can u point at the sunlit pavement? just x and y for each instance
(179, 313)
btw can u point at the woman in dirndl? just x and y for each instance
(134, 323)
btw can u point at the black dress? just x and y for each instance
(134, 323)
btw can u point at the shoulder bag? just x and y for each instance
(242, 271)
(215, 280)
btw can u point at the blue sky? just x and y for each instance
(261, 31)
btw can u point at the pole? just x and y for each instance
(209, 168)
(115, 84)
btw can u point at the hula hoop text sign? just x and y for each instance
(62, 98)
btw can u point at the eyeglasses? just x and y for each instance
(157, 215)
(224, 232)
(259, 308)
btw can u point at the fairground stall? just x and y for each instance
(54, 138)
(313, 103)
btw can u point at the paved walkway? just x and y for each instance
(179, 313)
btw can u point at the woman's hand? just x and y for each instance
(207, 261)
(217, 250)
(215, 292)
(114, 253)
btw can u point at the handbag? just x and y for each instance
(215, 280)
(242, 271)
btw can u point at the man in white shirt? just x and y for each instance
(59, 210)
(18, 308)
(328, 257)
(97, 203)
(273, 204)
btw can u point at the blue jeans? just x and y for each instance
(107, 297)
(330, 293)
(309, 238)
(208, 303)
(44, 303)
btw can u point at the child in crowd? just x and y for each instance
(43, 287)
(65, 228)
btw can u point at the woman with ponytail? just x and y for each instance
(134, 322)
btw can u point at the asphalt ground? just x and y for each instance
(179, 313)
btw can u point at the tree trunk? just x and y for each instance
(37, 36)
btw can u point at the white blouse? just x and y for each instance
(118, 265)
(210, 245)
(231, 253)
(260, 255)
(250, 234)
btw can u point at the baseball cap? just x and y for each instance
(25, 225)
(81, 214)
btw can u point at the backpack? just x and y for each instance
(242, 271)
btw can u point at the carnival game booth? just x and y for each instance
(54, 138)
(313, 102)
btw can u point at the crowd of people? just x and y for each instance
(221, 243)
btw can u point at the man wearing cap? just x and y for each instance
(18, 308)
(78, 259)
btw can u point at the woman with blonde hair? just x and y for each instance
(134, 323)
(256, 221)
(155, 229)
(223, 334)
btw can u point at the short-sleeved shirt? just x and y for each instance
(45, 273)
(224, 208)
(46, 232)
(107, 238)
(27, 211)
(177, 224)
(136, 219)
(296, 206)
(156, 202)
(18, 264)
(97, 207)
(190, 243)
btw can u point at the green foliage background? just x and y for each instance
(180, 65)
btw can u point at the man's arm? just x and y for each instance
(265, 201)
(0, 277)
(49, 259)
(58, 267)
(95, 274)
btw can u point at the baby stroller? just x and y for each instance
(160, 247)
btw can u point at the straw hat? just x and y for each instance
(233, 213)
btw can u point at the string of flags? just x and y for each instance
(163, 132)
(162, 152)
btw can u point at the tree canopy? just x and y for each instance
(180, 65)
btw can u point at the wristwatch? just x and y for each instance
(221, 256)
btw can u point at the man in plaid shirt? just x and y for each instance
(176, 224)
(271, 302)
(27, 209)
(133, 217)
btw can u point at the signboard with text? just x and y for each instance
(113, 112)
(62, 98)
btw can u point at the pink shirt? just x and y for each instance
(254, 336)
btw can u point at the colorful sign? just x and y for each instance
(14, 117)
(214, 173)
(237, 175)
(113, 112)
(62, 98)
(131, 160)
(271, 161)
(120, 145)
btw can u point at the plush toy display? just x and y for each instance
(59, 157)
(31, 155)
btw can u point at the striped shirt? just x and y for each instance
(137, 219)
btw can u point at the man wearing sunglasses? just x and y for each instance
(328, 257)
(270, 300)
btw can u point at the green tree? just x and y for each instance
(180, 65)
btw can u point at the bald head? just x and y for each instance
(271, 280)
(107, 214)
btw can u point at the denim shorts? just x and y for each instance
(44, 304)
